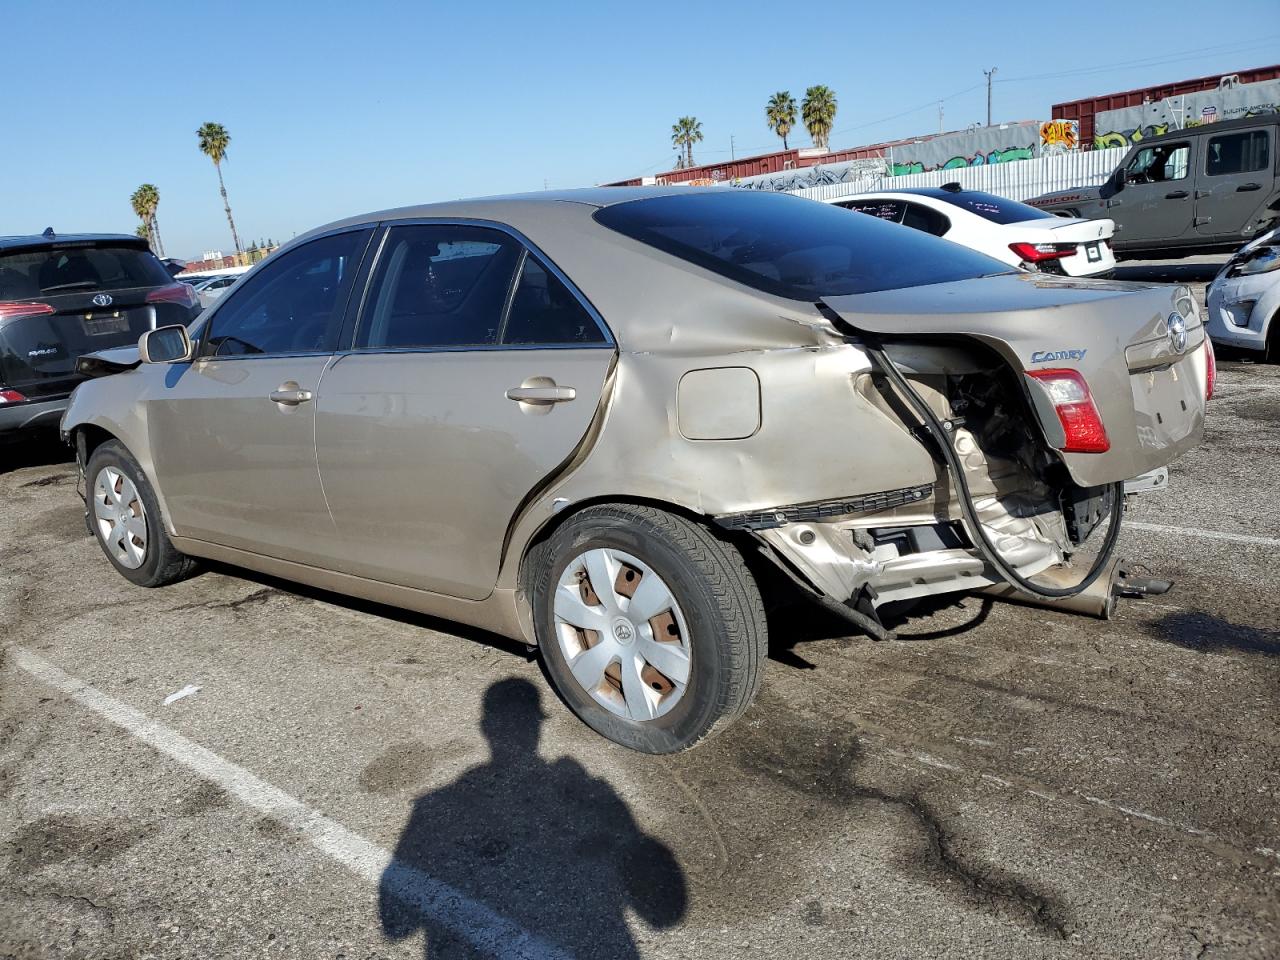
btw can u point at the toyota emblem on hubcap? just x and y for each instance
(1177, 332)
(102, 300)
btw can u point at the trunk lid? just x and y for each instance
(1149, 393)
(1065, 230)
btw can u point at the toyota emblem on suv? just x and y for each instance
(102, 300)
(1177, 333)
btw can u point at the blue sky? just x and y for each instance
(340, 108)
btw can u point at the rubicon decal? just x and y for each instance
(1044, 356)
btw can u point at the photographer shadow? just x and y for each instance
(522, 849)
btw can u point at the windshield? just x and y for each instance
(990, 207)
(36, 273)
(793, 247)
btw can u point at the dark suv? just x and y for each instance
(64, 296)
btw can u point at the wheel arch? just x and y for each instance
(530, 549)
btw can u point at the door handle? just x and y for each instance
(290, 394)
(1246, 187)
(1176, 195)
(542, 396)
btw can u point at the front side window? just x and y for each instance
(791, 247)
(1238, 153)
(1159, 164)
(543, 310)
(294, 304)
(439, 285)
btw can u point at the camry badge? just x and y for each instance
(1177, 333)
(102, 300)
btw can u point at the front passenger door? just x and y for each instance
(233, 433)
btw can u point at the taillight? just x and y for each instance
(15, 309)
(182, 293)
(11, 396)
(1210, 369)
(1076, 411)
(1038, 252)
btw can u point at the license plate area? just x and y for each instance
(1092, 253)
(103, 324)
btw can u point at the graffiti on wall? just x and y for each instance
(1059, 136)
(1120, 128)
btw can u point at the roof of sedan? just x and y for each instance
(40, 240)
(589, 196)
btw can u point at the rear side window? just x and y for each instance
(990, 207)
(293, 304)
(1238, 153)
(792, 247)
(543, 310)
(36, 273)
(919, 217)
(439, 285)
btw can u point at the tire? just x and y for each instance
(1272, 352)
(712, 627)
(149, 559)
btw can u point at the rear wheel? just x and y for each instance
(650, 627)
(125, 517)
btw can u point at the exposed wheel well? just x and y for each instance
(532, 550)
(92, 436)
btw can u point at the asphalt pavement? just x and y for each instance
(351, 781)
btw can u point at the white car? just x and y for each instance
(1011, 232)
(1244, 299)
(213, 289)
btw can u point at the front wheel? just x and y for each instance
(125, 517)
(651, 628)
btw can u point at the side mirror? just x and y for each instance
(166, 345)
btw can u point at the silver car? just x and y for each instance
(600, 421)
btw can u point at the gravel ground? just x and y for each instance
(1001, 781)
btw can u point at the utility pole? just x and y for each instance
(939, 116)
(989, 74)
(731, 154)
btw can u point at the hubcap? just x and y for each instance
(622, 634)
(121, 520)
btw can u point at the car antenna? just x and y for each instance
(48, 233)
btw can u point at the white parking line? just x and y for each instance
(1205, 534)
(482, 927)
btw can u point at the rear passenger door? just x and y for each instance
(474, 371)
(1235, 179)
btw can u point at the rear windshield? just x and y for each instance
(35, 273)
(792, 247)
(990, 207)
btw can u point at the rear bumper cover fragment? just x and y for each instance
(825, 510)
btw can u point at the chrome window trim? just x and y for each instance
(529, 249)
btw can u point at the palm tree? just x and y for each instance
(214, 141)
(780, 112)
(145, 200)
(143, 231)
(819, 112)
(685, 132)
